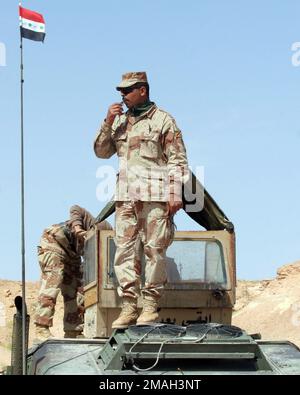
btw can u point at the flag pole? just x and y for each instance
(24, 313)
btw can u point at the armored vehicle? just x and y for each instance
(194, 334)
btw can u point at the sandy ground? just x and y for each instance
(270, 307)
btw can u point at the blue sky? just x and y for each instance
(224, 70)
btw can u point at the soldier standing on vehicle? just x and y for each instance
(59, 254)
(152, 162)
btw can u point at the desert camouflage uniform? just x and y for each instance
(59, 255)
(152, 160)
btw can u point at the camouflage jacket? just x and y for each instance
(152, 155)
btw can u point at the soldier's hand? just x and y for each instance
(114, 110)
(81, 235)
(174, 205)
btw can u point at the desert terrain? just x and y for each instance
(270, 307)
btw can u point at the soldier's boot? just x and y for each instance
(73, 335)
(149, 314)
(128, 315)
(42, 333)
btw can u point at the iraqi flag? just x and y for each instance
(32, 25)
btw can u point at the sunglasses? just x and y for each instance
(137, 85)
(125, 91)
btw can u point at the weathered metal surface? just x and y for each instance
(126, 352)
(62, 356)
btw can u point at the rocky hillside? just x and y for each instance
(271, 307)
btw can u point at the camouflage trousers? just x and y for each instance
(61, 271)
(142, 227)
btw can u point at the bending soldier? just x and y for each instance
(59, 254)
